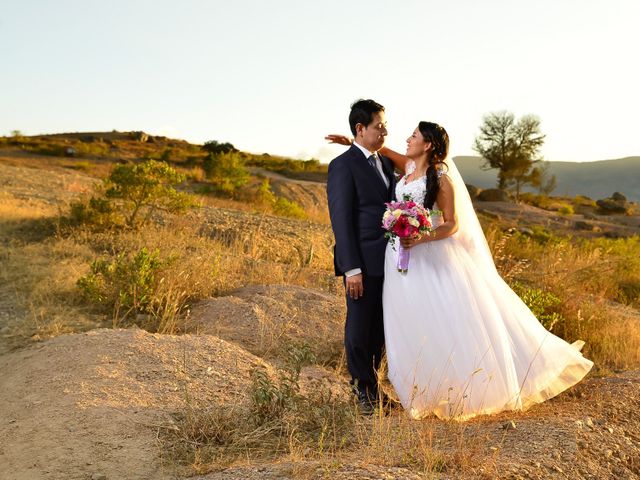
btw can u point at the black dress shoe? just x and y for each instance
(366, 400)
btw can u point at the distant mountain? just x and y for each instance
(593, 179)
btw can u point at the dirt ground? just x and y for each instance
(91, 405)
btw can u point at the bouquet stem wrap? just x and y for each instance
(403, 258)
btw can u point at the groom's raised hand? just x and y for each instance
(339, 139)
(354, 286)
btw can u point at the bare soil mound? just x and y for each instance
(90, 404)
(264, 318)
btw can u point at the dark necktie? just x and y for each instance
(372, 162)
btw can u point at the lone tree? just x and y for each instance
(513, 147)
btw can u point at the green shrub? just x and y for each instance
(541, 303)
(216, 148)
(226, 172)
(90, 149)
(539, 235)
(264, 196)
(145, 188)
(125, 284)
(566, 210)
(289, 208)
(97, 212)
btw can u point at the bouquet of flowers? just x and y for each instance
(405, 219)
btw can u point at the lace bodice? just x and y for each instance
(416, 191)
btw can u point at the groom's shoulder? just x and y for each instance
(344, 158)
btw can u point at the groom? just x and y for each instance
(360, 182)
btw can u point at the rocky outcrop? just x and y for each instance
(616, 203)
(493, 195)
(473, 191)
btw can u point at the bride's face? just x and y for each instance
(416, 146)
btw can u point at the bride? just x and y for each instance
(459, 341)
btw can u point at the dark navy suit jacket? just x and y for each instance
(357, 199)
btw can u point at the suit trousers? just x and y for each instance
(364, 334)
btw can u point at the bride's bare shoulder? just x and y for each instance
(445, 181)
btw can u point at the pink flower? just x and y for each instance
(402, 228)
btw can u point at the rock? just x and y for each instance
(493, 195)
(582, 225)
(473, 191)
(98, 476)
(589, 422)
(618, 197)
(608, 453)
(139, 136)
(617, 203)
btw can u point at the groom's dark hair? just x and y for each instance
(362, 111)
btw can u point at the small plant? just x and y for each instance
(125, 284)
(271, 399)
(566, 210)
(541, 304)
(264, 196)
(289, 208)
(96, 211)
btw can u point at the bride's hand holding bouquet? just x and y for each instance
(408, 221)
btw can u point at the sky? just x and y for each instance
(276, 76)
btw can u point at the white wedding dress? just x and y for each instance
(459, 341)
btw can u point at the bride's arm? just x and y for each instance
(446, 203)
(399, 161)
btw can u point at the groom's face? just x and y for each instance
(374, 133)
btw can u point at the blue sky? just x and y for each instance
(275, 76)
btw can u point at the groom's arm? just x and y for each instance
(341, 195)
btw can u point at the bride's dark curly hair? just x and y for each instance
(439, 138)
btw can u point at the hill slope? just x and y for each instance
(593, 179)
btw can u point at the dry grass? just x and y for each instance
(320, 429)
(39, 273)
(42, 263)
(593, 280)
